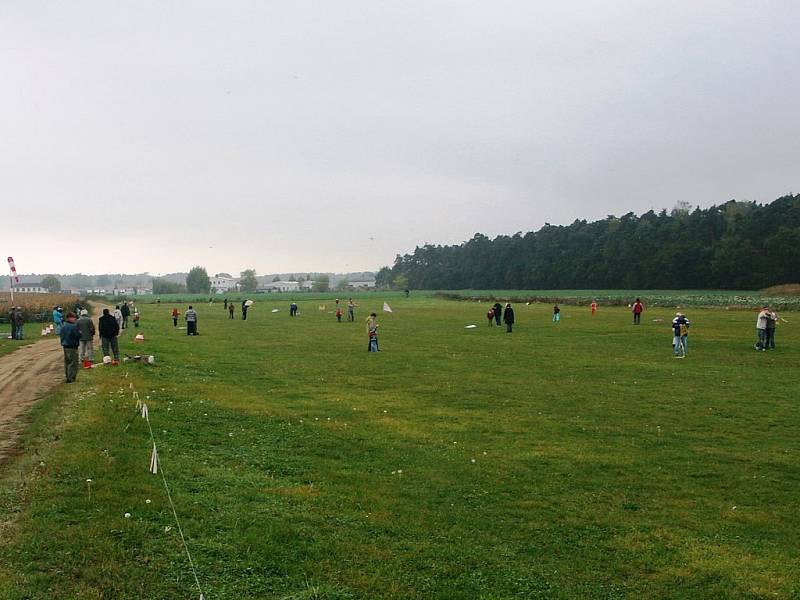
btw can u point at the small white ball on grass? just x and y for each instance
(127, 515)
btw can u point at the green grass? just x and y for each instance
(577, 460)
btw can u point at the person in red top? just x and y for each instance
(637, 310)
(594, 306)
(175, 314)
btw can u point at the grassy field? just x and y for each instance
(569, 460)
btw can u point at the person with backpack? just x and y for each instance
(637, 310)
(191, 321)
(680, 333)
(109, 332)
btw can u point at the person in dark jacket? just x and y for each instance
(508, 317)
(13, 321)
(109, 330)
(18, 323)
(126, 313)
(70, 339)
(230, 310)
(498, 312)
(85, 326)
(244, 310)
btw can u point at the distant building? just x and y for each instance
(30, 288)
(306, 286)
(362, 284)
(279, 286)
(221, 284)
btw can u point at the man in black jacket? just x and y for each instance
(70, 338)
(498, 312)
(109, 330)
(508, 317)
(126, 312)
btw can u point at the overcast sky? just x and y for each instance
(332, 135)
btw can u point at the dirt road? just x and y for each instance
(25, 375)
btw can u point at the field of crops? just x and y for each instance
(730, 299)
(36, 307)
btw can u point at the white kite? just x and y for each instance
(386, 307)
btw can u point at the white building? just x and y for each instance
(220, 285)
(280, 286)
(29, 288)
(362, 284)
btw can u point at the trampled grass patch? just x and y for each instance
(567, 460)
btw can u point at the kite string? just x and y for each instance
(146, 415)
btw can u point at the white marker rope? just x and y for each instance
(155, 462)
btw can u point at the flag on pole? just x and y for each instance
(386, 307)
(13, 269)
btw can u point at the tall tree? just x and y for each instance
(51, 283)
(197, 281)
(322, 283)
(248, 281)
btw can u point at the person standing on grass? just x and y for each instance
(136, 317)
(293, 309)
(556, 313)
(18, 323)
(351, 310)
(225, 304)
(490, 316)
(244, 310)
(126, 313)
(772, 321)
(109, 330)
(58, 319)
(191, 321)
(85, 326)
(761, 328)
(175, 314)
(637, 310)
(230, 310)
(70, 339)
(680, 335)
(118, 316)
(498, 313)
(372, 333)
(508, 317)
(338, 314)
(593, 306)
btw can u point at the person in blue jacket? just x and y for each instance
(58, 318)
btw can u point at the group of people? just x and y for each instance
(765, 329)
(17, 320)
(229, 306)
(77, 332)
(496, 312)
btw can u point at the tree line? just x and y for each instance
(736, 245)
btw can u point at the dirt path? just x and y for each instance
(25, 375)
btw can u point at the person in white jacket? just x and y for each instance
(761, 328)
(118, 316)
